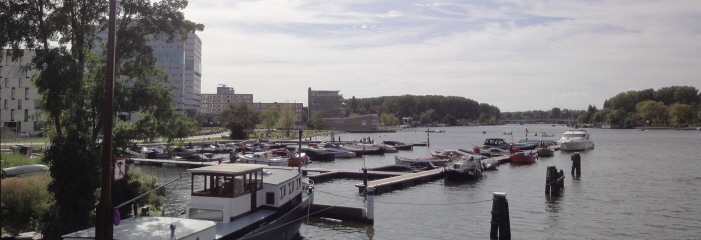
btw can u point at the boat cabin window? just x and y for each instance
(226, 185)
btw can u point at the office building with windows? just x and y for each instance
(329, 103)
(20, 104)
(183, 63)
(213, 104)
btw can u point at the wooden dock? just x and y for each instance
(175, 163)
(402, 181)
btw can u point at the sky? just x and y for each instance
(515, 55)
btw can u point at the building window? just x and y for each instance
(26, 93)
(5, 104)
(13, 94)
(7, 83)
(26, 114)
(12, 115)
(37, 104)
(19, 82)
(19, 104)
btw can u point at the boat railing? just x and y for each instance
(147, 193)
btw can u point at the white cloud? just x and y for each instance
(547, 54)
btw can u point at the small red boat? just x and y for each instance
(523, 157)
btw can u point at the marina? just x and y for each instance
(595, 205)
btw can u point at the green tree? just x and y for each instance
(316, 122)
(287, 118)
(428, 116)
(269, 117)
(450, 120)
(389, 119)
(71, 81)
(680, 113)
(240, 119)
(651, 110)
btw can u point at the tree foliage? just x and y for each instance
(414, 106)
(316, 122)
(239, 119)
(269, 117)
(66, 38)
(287, 118)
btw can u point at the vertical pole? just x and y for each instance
(365, 177)
(105, 211)
(428, 139)
(576, 163)
(547, 180)
(300, 161)
(504, 222)
(494, 231)
(371, 204)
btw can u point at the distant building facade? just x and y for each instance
(329, 103)
(213, 104)
(298, 109)
(357, 123)
(19, 98)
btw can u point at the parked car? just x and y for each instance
(24, 134)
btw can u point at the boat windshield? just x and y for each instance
(574, 135)
(226, 185)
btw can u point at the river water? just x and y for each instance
(634, 184)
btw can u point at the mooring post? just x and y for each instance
(576, 163)
(561, 180)
(547, 180)
(365, 177)
(428, 139)
(501, 225)
(371, 204)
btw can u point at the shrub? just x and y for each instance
(24, 200)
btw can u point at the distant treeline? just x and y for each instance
(676, 105)
(451, 110)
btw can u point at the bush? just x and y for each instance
(24, 201)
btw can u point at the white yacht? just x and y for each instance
(576, 140)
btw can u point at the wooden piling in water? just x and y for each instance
(576, 164)
(554, 180)
(500, 224)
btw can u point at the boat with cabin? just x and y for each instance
(464, 168)
(266, 158)
(576, 140)
(228, 201)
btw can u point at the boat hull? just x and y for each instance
(286, 227)
(520, 158)
(576, 146)
(462, 175)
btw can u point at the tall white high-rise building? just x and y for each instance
(183, 63)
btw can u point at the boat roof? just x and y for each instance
(149, 228)
(279, 175)
(229, 168)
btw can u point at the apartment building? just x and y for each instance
(213, 104)
(298, 109)
(20, 102)
(327, 102)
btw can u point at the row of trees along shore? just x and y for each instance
(71, 64)
(451, 110)
(675, 106)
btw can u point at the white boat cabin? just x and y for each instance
(231, 192)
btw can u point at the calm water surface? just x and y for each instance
(634, 184)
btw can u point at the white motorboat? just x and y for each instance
(266, 158)
(464, 168)
(576, 140)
